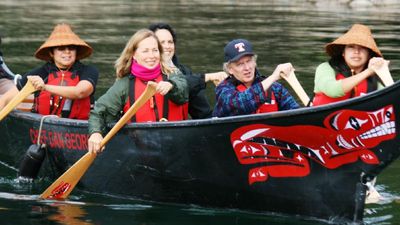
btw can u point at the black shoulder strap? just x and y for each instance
(165, 105)
(309, 104)
(372, 83)
(132, 94)
(269, 94)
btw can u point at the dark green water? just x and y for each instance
(281, 31)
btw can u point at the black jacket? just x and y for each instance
(199, 106)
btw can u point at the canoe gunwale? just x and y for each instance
(221, 120)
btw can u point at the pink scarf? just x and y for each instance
(144, 73)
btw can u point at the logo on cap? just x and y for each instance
(236, 49)
(240, 47)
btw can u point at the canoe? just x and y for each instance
(311, 162)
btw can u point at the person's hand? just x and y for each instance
(216, 78)
(282, 70)
(377, 63)
(94, 143)
(163, 87)
(37, 82)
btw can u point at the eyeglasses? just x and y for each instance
(66, 47)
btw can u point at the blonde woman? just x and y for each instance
(140, 62)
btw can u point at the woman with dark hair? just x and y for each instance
(351, 70)
(199, 107)
(65, 86)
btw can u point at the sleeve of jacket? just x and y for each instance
(231, 102)
(179, 94)
(109, 106)
(285, 100)
(325, 81)
(196, 81)
(199, 106)
(40, 71)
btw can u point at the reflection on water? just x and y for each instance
(68, 214)
(86, 208)
(281, 31)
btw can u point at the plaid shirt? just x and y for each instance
(231, 102)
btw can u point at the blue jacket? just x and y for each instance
(231, 102)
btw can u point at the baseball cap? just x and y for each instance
(236, 49)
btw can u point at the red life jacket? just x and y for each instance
(269, 106)
(157, 108)
(46, 103)
(361, 89)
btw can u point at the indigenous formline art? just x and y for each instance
(285, 151)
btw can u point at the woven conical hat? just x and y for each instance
(358, 34)
(63, 35)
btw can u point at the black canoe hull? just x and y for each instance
(276, 162)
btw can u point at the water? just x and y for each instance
(281, 31)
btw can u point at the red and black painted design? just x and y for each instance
(347, 135)
(59, 191)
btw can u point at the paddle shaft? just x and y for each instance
(147, 94)
(62, 187)
(294, 83)
(27, 90)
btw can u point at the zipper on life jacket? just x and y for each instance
(354, 91)
(153, 103)
(55, 104)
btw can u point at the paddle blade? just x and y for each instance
(62, 187)
(294, 83)
(384, 74)
(25, 92)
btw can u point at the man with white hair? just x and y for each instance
(246, 91)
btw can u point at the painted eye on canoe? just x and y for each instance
(354, 123)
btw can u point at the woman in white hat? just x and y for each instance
(66, 85)
(351, 70)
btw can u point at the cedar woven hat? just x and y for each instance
(358, 34)
(63, 35)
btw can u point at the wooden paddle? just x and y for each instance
(373, 195)
(63, 186)
(387, 80)
(294, 83)
(27, 90)
(384, 74)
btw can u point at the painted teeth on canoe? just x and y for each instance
(383, 129)
(343, 143)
